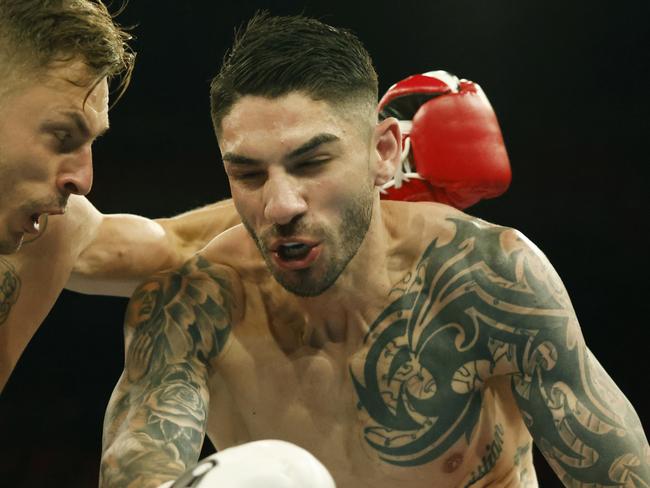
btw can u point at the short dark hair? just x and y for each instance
(273, 56)
(35, 34)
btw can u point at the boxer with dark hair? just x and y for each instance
(57, 58)
(403, 344)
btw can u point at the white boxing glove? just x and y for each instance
(259, 464)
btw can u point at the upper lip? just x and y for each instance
(53, 211)
(275, 245)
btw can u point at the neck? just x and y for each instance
(361, 290)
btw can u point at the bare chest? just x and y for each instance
(367, 430)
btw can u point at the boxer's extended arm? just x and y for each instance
(582, 423)
(126, 249)
(176, 324)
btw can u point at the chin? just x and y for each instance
(304, 289)
(304, 284)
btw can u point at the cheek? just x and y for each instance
(246, 204)
(18, 177)
(349, 185)
(26, 161)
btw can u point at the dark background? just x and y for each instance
(568, 82)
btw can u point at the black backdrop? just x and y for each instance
(568, 82)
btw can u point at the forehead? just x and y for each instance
(255, 123)
(63, 88)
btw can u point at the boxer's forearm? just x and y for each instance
(146, 444)
(127, 248)
(156, 418)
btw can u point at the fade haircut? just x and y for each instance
(273, 56)
(36, 34)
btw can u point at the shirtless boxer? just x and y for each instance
(53, 105)
(403, 344)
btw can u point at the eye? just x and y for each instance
(311, 164)
(64, 140)
(249, 176)
(62, 135)
(249, 179)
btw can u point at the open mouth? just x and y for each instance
(296, 255)
(35, 227)
(293, 251)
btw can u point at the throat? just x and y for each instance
(294, 330)
(330, 332)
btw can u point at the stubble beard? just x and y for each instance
(346, 239)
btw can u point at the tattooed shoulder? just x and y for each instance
(469, 310)
(186, 313)
(9, 289)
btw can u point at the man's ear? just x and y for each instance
(388, 148)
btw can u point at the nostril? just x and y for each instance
(71, 188)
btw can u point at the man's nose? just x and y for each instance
(76, 173)
(283, 199)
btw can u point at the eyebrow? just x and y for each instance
(81, 124)
(308, 146)
(312, 144)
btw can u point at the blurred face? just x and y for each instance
(46, 133)
(302, 178)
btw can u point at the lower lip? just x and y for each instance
(296, 264)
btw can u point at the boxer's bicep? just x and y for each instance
(176, 325)
(581, 422)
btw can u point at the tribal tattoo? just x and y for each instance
(489, 460)
(9, 289)
(488, 304)
(175, 326)
(527, 477)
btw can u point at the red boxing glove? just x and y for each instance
(452, 144)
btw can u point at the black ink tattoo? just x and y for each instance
(156, 418)
(488, 304)
(521, 452)
(9, 289)
(455, 323)
(527, 476)
(489, 460)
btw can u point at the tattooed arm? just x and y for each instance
(176, 324)
(582, 423)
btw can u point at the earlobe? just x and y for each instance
(388, 147)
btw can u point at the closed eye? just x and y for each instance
(252, 178)
(311, 164)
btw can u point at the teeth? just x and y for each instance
(293, 250)
(35, 222)
(292, 244)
